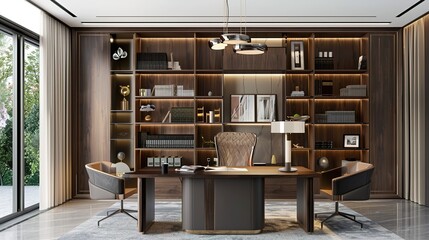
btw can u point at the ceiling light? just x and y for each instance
(235, 38)
(250, 48)
(217, 44)
(240, 41)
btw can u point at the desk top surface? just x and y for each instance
(254, 171)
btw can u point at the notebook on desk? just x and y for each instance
(196, 168)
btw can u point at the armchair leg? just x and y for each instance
(338, 213)
(121, 210)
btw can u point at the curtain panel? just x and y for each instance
(55, 159)
(415, 114)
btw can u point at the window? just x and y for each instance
(19, 121)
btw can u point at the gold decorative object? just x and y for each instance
(273, 160)
(125, 91)
(217, 115)
(207, 143)
(200, 114)
(148, 118)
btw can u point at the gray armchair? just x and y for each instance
(352, 181)
(235, 148)
(104, 184)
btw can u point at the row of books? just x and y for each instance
(336, 117)
(324, 145)
(182, 114)
(165, 140)
(152, 61)
(164, 90)
(170, 90)
(323, 87)
(173, 161)
(324, 63)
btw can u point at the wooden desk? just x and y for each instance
(304, 198)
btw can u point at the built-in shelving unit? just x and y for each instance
(209, 78)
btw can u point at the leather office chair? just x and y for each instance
(104, 184)
(235, 148)
(352, 181)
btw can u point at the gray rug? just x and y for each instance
(280, 223)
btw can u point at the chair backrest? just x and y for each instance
(100, 176)
(235, 148)
(355, 183)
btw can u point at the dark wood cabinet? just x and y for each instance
(213, 76)
(383, 112)
(90, 116)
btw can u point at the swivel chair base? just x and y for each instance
(121, 210)
(338, 213)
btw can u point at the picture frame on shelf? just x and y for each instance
(242, 108)
(351, 141)
(297, 55)
(265, 108)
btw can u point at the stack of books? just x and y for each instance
(297, 93)
(184, 92)
(353, 91)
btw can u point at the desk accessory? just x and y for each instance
(288, 127)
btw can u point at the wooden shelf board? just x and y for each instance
(163, 71)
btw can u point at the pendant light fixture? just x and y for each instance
(242, 42)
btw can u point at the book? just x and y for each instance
(192, 168)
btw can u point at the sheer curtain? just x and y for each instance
(55, 160)
(414, 107)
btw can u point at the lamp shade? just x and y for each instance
(235, 38)
(250, 48)
(288, 127)
(216, 44)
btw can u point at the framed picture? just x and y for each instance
(265, 108)
(242, 108)
(297, 55)
(351, 140)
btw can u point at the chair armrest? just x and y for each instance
(344, 184)
(327, 176)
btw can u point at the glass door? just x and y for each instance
(7, 196)
(31, 124)
(19, 125)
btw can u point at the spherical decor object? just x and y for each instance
(121, 156)
(323, 163)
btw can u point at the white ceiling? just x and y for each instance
(254, 13)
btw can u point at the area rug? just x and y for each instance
(280, 223)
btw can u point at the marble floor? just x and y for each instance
(406, 219)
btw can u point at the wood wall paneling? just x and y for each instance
(383, 112)
(92, 100)
(426, 59)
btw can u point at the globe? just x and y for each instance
(121, 156)
(323, 163)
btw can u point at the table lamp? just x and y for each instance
(287, 127)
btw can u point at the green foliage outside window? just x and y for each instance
(31, 112)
